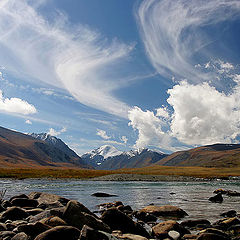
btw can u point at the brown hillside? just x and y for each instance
(21, 150)
(217, 155)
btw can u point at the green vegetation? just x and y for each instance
(21, 173)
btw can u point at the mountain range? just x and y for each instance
(43, 150)
(109, 158)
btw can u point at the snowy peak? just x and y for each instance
(56, 142)
(108, 157)
(105, 151)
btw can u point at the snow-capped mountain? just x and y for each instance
(97, 156)
(57, 143)
(108, 157)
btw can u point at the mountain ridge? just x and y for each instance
(21, 150)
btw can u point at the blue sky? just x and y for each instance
(153, 73)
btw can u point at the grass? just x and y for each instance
(21, 173)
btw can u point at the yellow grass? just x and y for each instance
(21, 173)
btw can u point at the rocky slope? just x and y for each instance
(21, 150)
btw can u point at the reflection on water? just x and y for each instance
(190, 196)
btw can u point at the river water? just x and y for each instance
(190, 196)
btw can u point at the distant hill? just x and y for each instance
(109, 158)
(216, 155)
(21, 150)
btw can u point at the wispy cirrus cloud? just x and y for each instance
(172, 32)
(102, 134)
(74, 58)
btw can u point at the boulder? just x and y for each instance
(53, 221)
(60, 233)
(3, 227)
(211, 236)
(34, 211)
(19, 196)
(217, 198)
(190, 236)
(39, 216)
(224, 224)
(215, 231)
(117, 220)
(230, 214)
(145, 217)
(48, 198)
(220, 190)
(14, 213)
(100, 194)
(165, 211)
(24, 202)
(162, 229)
(21, 236)
(174, 235)
(193, 223)
(33, 230)
(88, 233)
(7, 234)
(77, 215)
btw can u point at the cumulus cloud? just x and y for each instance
(124, 139)
(55, 133)
(74, 58)
(172, 32)
(102, 134)
(149, 128)
(16, 105)
(28, 122)
(203, 115)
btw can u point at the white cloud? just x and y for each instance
(28, 122)
(149, 128)
(124, 139)
(16, 105)
(203, 115)
(55, 133)
(172, 32)
(102, 134)
(162, 112)
(74, 58)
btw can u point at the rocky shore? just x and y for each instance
(149, 178)
(45, 216)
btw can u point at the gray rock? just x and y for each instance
(21, 236)
(165, 211)
(77, 215)
(48, 198)
(60, 233)
(88, 233)
(193, 223)
(217, 198)
(100, 194)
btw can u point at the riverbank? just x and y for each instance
(153, 173)
(147, 178)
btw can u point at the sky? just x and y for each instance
(160, 74)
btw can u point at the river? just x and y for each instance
(190, 196)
